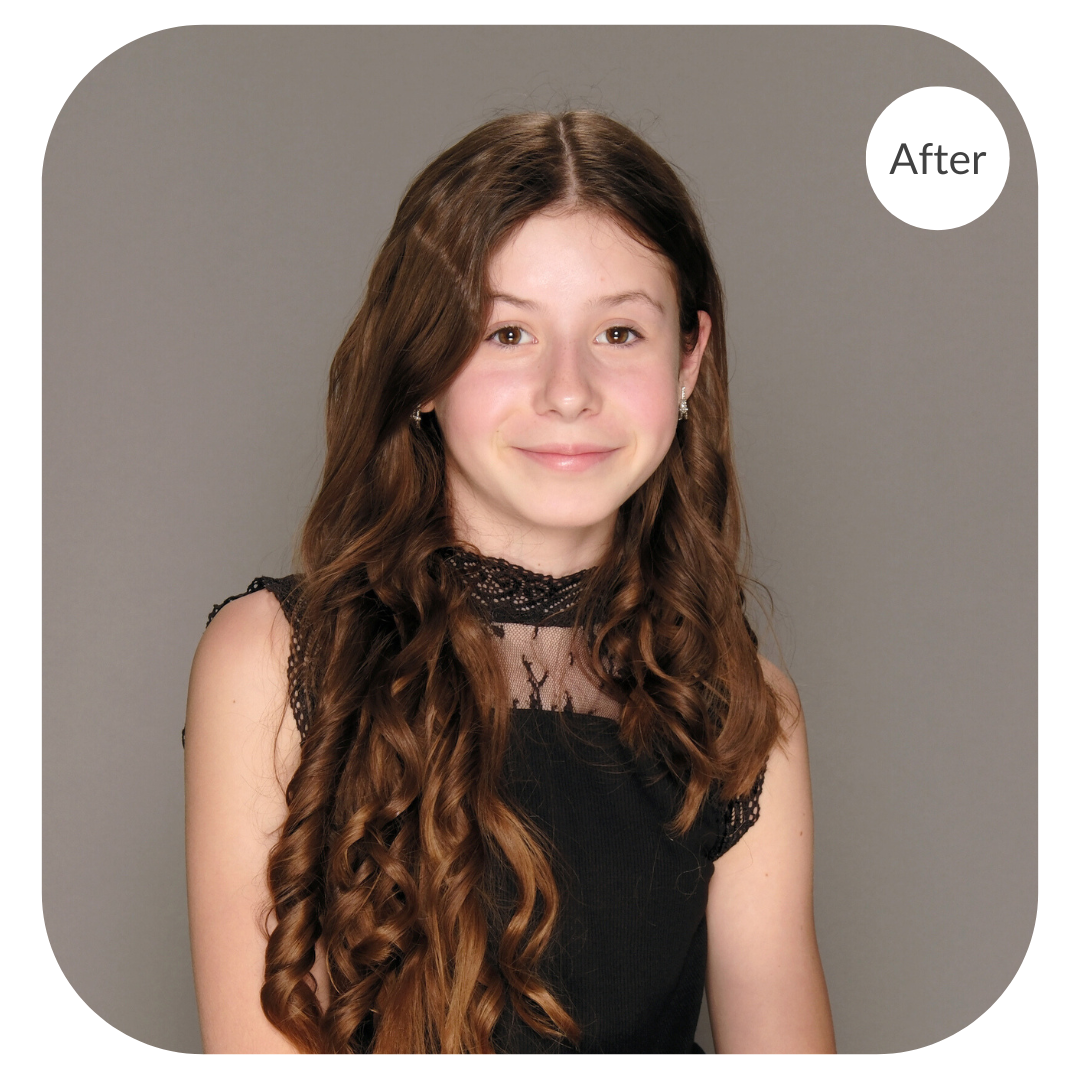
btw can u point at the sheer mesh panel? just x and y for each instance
(543, 671)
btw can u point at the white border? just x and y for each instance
(51, 46)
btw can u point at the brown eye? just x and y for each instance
(619, 335)
(508, 335)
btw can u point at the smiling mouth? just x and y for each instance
(568, 458)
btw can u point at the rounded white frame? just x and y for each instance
(563, 13)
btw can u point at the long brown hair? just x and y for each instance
(395, 813)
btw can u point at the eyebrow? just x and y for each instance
(600, 301)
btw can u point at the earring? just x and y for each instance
(684, 409)
(415, 416)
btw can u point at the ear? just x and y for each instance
(691, 361)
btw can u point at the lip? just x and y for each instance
(568, 457)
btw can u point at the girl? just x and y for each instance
(500, 768)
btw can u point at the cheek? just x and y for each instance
(650, 405)
(470, 412)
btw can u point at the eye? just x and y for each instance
(511, 335)
(617, 335)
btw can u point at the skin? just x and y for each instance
(567, 406)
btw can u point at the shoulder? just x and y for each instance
(782, 788)
(247, 634)
(285, 590)
(787, 773)
(252, 629)
(238, 694)
(788, 703)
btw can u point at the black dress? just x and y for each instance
(628, 961)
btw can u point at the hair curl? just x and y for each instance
(395, 813)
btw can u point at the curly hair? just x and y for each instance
(396, 814)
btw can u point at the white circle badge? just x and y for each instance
(937, 158)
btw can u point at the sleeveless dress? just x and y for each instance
(628, 961)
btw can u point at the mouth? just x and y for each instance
(568, 458)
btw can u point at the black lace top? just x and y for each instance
(629, 959)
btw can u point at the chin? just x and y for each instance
(561, 514)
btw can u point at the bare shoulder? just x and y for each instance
(784, 828)
(785, 795)
(251, 631)
(787, 774)
(239, 677)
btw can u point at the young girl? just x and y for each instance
(500, 768)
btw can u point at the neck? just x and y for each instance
(486, 522)
(558, 553)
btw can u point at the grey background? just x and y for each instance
(213, 198)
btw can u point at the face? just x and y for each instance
(571, 400)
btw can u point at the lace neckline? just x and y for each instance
(511, 594)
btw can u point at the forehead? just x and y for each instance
(566, 251)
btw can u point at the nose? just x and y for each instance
(566, 386)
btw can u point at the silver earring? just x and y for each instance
(684, 409)
(415, 416)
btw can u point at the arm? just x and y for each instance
(765, 986)
(236, 769)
